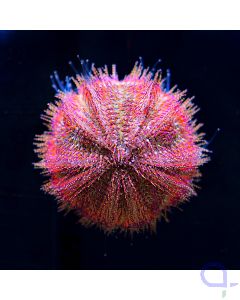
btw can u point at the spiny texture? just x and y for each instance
(120, 152)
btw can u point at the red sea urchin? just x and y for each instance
(120, 152)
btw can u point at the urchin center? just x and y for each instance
(122, 157)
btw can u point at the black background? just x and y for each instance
(33, 235)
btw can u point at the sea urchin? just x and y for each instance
(120, 152)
